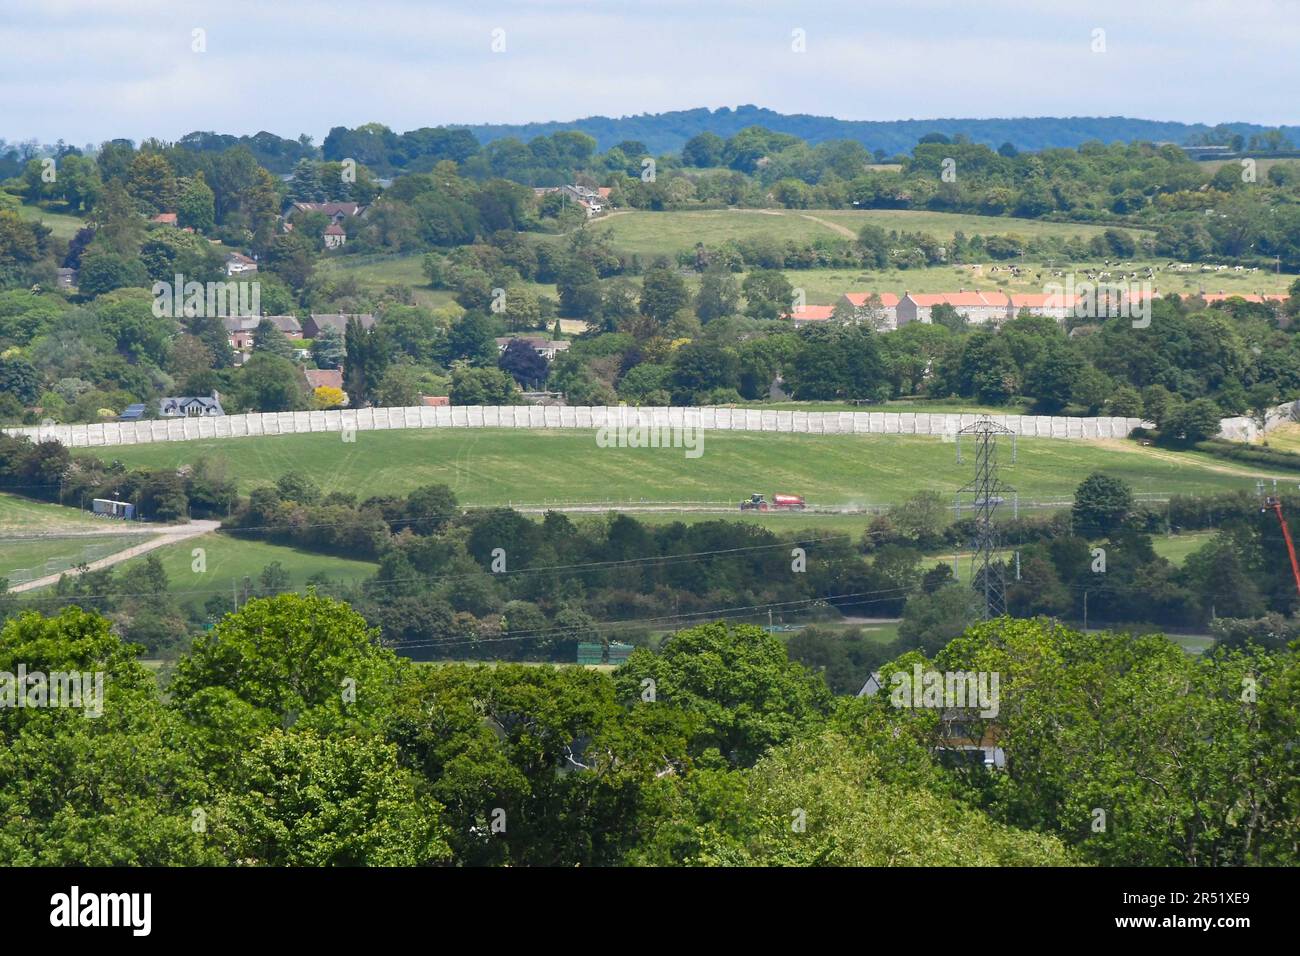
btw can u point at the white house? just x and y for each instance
(190, 406)
(238, 264)
(543, 346)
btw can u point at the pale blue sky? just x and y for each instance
(86, 70)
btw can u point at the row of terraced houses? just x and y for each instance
(886, 311)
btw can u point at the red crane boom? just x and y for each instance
(1276, 505)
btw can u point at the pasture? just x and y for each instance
(490, 466)
(63, 225)
(652, 234)
(227, 561)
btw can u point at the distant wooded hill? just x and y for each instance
(666, 132)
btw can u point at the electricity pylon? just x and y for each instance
(989, 491)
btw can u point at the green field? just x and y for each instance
(42, 556)
(522, 466)
(652, 234)
(825, 286)
(1284, 438)
(24, 516)
(63, 225)
(79, 538)
(229, 560)
(1177, 547)
(667, 233)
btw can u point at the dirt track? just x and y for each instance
(167, 536)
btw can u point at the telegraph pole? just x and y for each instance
(989, 491)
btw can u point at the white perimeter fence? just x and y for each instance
(350, 421)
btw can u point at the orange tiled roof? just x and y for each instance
(318, 377)
(859, 299)
(952, 298)
(1250, 297)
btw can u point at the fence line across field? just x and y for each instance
(348, 422)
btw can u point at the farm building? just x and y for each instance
(113, 509)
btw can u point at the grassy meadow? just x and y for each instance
(525, 466)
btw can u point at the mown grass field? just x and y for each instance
(82, 538)
(1177, 547)
(63, 225)
(43, 556)
(667, 233)
(521, 466)
(1284, 438)
(229, 560)
(24, 516)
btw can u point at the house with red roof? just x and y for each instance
(1258, 298)
(324, 378)
(811, 315)
(879, 309)
(975, 306)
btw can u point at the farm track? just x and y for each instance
(109, 530)
(170, 536)
(835, 227)
(1234, 470)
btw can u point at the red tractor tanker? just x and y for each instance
(758, 502)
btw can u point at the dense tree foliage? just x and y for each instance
(291, 736)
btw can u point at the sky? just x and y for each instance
(89, 70)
